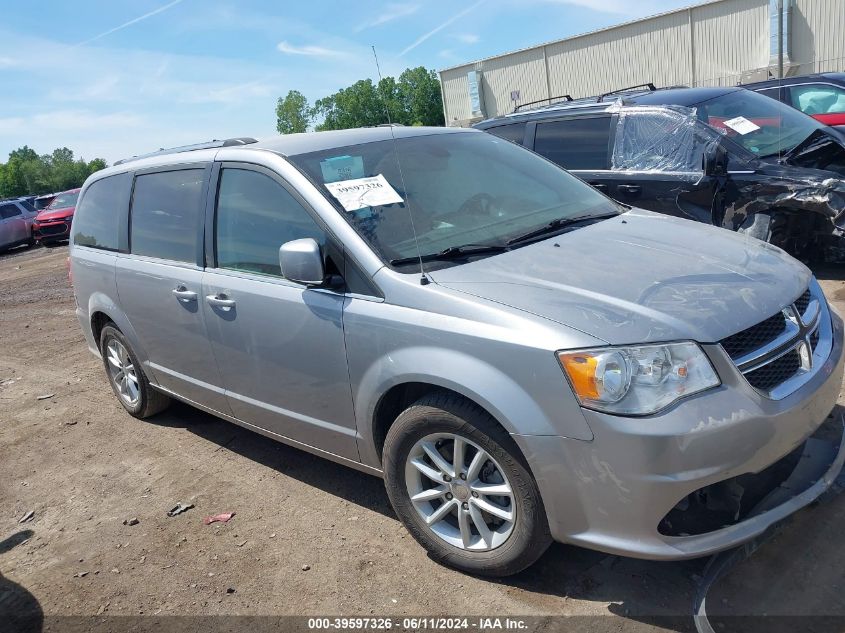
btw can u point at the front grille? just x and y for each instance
(779, 370)
(773, 351)
(755, 337)
(814, 340)
(52, 229)
(803, 302)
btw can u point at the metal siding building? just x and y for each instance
(723, 42)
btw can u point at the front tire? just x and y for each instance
(460, 485)
(127, 378)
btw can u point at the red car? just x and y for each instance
(53, 223)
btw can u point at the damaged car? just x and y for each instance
(772, 172)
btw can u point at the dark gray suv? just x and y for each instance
(723, 156)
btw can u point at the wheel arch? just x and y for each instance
(102, 310)
(392, 384)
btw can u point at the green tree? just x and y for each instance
(27, 173)
(356, 106)
(412, 100)
(292, 113)
(419, 93)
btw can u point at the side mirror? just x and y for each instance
(714, 161)
(302, 262)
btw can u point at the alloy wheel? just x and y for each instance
(122, 372)
(461, 493)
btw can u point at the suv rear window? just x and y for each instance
(514, 132)
(165, 214)
(97, 218)
(575, 143)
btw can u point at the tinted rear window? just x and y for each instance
(514, 132)
(575, 143)
(97, 218)
(165, 214)
(9, 211)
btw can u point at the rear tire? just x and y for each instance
(127, 378)
(467, 537)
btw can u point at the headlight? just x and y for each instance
(637, 380)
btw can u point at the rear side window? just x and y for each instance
(9, 211)
(28, 206)
(165, 214)
(774, 93)
(255, 216)
(575, 143)
(514, 133)
(97, 218)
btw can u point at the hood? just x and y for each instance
(640, 277)
(54, 214)
(786, 187)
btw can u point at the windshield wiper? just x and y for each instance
(453, 252)
(556, 225)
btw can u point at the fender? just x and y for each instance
(101, 302)
(486, 385)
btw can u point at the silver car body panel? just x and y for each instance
(310, 366)
(16, 229)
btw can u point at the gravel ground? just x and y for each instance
(309, 537)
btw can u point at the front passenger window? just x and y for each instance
(818, 99)
(255, 216)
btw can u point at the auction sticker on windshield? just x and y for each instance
(741, 125)
(360, 193)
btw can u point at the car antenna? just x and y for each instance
(424, 280)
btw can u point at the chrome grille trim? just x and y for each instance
(803, 329)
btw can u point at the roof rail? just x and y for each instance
(650, 86)
(549, 99)
(229, 142)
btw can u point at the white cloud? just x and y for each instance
(7, 62)
(391, 12)
(437, 29)
(131, 22)
(468, 38)
(313, 51)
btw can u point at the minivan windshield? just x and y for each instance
(458, 193)
(759, 123)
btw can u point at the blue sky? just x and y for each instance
(116, 78)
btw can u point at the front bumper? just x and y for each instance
(612, 492)
(52, 231)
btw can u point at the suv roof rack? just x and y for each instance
(229, 142)
(648, 86)
(549, 99)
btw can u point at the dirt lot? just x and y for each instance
(309, 536)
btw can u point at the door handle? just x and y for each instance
(183, 294)
(220, 300)
(598, 185)
(629, 188)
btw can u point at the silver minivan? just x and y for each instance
(520, 358)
